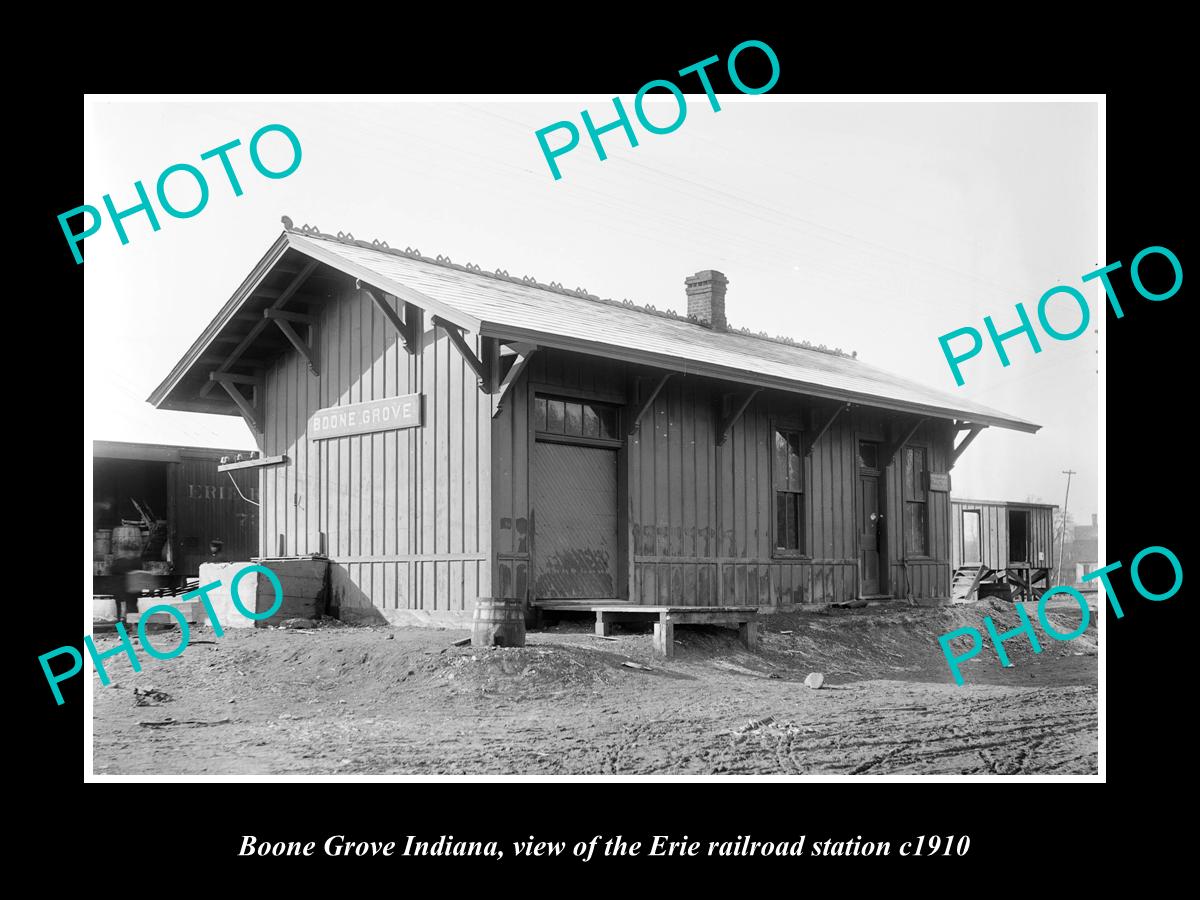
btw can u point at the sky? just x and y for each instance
(874, 227)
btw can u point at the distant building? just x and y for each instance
(1080, 555)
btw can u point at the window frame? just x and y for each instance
(906, 499)
(962, 525)
(788, 426)
(555, 437)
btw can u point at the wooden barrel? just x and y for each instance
(102, 544)
(498, 623)
(127, 542)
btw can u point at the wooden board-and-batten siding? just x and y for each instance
(402, 515)
(698, 515)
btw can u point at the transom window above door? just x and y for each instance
(568, 417)
(868, 455)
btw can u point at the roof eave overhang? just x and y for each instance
(978, 502)
(256, 277)
(665, 361)
(313, 250)
(126, 450)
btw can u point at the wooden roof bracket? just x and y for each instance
(249, 408)
(511, 368)
(635, 420)
(409, 327)
(895, 446)
(964, 443)
(729, 421)
(812, 442)
(487, 369)
(309, 349)
(254, 332)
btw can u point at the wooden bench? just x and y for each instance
(743, 618)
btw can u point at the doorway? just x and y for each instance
(573, 485)
(1018, 536)
(869, 520)
(574, 522)
(972, 543)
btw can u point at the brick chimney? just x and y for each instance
(706, 298)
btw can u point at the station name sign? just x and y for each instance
(365, 418)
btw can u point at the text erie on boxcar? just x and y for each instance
(364, 418)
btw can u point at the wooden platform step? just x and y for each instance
(575, 605)
(965, 582)
(665, 618)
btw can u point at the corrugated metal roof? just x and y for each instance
(511, 308)
(522, 309)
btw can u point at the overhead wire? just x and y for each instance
(632, 224)
(907, 255)
(842, 277)
(606, 211)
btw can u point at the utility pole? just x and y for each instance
(1063, 536)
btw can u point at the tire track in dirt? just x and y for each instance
(353, 701)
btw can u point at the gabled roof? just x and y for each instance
(498, 305)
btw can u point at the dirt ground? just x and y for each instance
(346, 700)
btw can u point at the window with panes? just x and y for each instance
(916, 502)
(788, 476)
(566, 417)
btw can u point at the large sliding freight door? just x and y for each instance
(574, 491)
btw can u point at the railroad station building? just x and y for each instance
(442, 433)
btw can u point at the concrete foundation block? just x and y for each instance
(304, 590)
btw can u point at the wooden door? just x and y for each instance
(869, 519)
(575, 545)
(1018, 536)
(972, 542)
